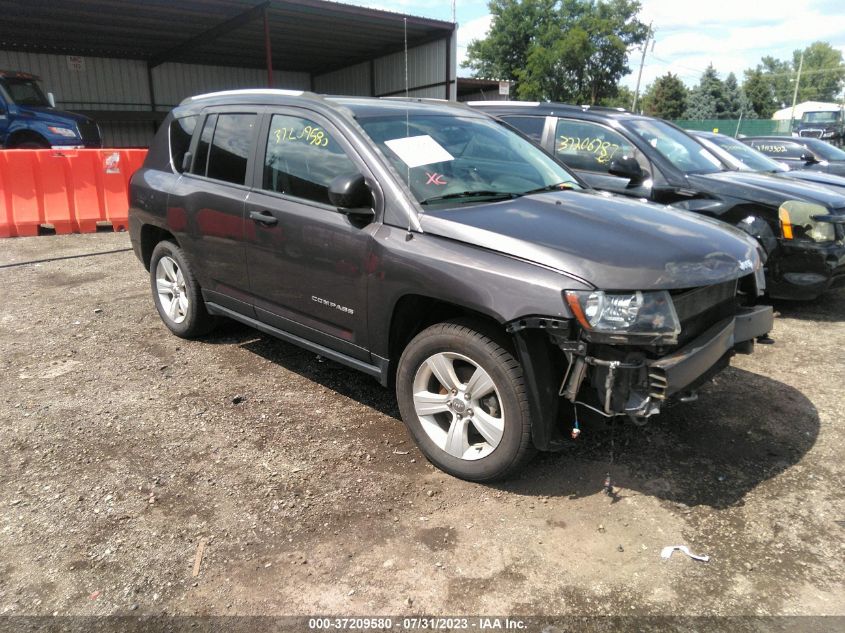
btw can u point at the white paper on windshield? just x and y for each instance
(416, 151)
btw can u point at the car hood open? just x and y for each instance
(611, 242)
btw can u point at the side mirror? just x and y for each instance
(808, 157)
(51, 99)
(627, 167)
(187, 159)
(351, 195)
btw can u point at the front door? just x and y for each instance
(589, 148)
(307, 262)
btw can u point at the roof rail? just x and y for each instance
(250, 91)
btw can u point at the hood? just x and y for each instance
(611, 242)
(51, 115)
(767, 189)
(815, 177)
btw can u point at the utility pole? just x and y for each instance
(795, 93)
(649, 35)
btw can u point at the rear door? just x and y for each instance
(307, 262)
(588, 148)
(209, 202)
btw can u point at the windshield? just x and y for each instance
(25, 92)
(747, 156)
(819, 117)
(452, 160)
(824, 150)
(680, 149)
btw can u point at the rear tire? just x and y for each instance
(177, 294)
(462, 396)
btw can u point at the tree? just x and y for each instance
(736, 102)
(623, 98)
(707, 99)
(823, 74)
(559, 50)
(504, 51)
(770, 86)
(666, 97)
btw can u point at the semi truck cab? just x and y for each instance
(29, 118)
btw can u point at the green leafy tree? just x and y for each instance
(760, 93)
(666, 97)
(623, 98)
(562, 50)
(504, 51)
(823, 74)
(707, 100)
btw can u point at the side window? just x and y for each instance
(302, 159)
(531, 126)
(591, 147)
(181, 131)
(201, 158)
(230, 148)
(779, 150)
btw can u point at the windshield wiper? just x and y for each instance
(556, 187)
(471, 194)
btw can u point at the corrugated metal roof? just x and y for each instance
(306, 35)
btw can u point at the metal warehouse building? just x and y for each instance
(127, 63)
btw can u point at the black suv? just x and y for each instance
(799, 225)
(800, 153)
(432, 247)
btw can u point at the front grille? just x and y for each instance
(700, 308)
(810, 133)
(90, 132)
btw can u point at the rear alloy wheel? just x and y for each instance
(177, 294)
(462, 396)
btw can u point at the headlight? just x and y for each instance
(643, 313)
(62, 131)
(797, 222)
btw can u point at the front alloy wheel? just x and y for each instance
(459, 406)
(462, 396)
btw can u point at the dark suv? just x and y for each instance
(432, 247)
(828, 125)
(801, 153)
(799, 225)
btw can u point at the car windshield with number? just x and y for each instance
(684, 152)
(451, 161)
(747, 156)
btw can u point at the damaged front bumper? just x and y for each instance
(633, 384)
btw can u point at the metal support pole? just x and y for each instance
(640, 74)
(795, 92)
(448, 66)
(151, 85)
(267, 48)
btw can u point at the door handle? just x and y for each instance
(263, 217)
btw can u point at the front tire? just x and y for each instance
(462, 396)
(177, 294)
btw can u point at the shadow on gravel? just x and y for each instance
(343, 380)
(829, 307)
(743, 431)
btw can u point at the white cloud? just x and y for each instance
(473, 30)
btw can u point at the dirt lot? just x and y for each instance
(123, 447)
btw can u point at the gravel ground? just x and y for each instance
(125, 447)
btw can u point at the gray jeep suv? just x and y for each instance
(434, 248)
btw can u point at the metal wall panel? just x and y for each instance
(102, 84)
(174, 82)
(353, 80)
(426, 65)
(127, 134)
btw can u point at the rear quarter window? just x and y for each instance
(181, 131)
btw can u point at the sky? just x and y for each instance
(689, 34)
